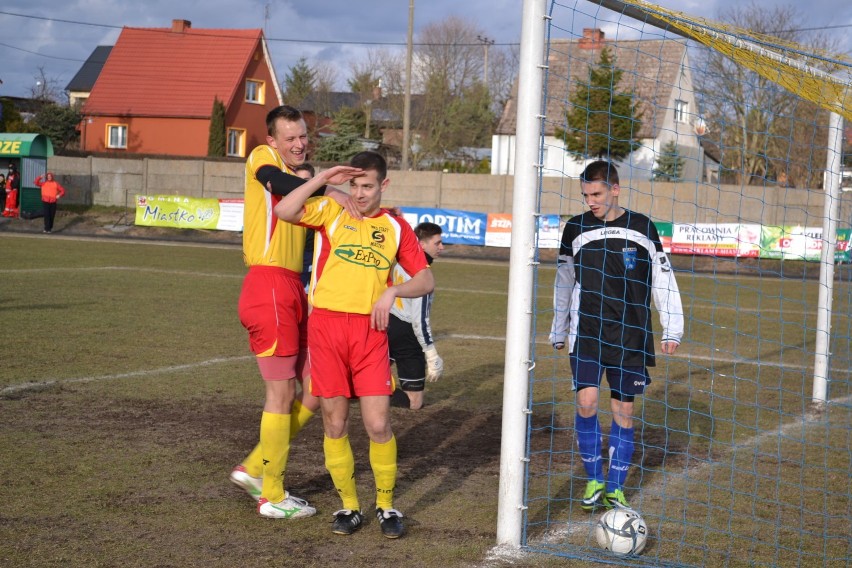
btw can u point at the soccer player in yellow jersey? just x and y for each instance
(273, 306)
(348, 328)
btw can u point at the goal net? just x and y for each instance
(730, 139)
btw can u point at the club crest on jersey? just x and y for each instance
(378, 236)
(629, 257)
(363, 256)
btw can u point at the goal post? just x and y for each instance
(518, 359)
(731, 466)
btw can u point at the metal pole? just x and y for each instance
(406, 113)
(486, 43)
(510, 507)
(826, 266)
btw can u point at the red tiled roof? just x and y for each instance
(164, 73)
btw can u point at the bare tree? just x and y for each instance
(765, 131)
(47, 89)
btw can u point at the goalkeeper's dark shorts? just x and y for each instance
(406, 351)
(625, 382)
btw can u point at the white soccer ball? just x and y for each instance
(622, 531)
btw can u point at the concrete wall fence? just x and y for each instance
(116, 182)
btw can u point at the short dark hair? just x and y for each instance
(288, 113)
(306, 167)
(369, 160)
(601, 170)
(426, 230)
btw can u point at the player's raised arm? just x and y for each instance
(290, 207)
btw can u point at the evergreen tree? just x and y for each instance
(602, 122)
(669, 164)
(345, 142)
(216, 141)
(11, 121)
(299, 83)
(59, 123)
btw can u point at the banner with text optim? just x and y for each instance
(458, 227)
(189, 212)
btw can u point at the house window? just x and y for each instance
(681, 109)
(236, 142)
(116, 136)
(254, 91)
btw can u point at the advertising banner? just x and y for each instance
(189, 212)
(459, 227)
(794, 242)
(716, 239)
(665, 230)
(499, 230)
(495, 229)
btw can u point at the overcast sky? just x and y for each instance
(59, 36)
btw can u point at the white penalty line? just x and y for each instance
(37, 385)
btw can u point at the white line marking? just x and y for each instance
(14, 271)
(34, 385)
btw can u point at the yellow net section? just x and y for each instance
(804, 71)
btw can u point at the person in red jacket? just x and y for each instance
(51, 191)
(11, 194)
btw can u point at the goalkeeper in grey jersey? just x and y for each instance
(410, 339)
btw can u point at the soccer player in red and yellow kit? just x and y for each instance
(348, 328)
(273, 306)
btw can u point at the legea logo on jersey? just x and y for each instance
(364, 256)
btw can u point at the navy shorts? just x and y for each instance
(628, 380)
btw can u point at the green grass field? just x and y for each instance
(127, 393)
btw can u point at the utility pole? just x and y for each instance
(406, 113)
(486, 43)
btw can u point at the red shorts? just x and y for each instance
(347, 357)
(273, 308)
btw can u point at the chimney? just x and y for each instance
(593, 38)
(377, 90)
(180, 26)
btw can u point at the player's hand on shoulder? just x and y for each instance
(345, 200)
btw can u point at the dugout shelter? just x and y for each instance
(29, 154)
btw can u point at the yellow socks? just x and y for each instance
(275, 446)
(383, 462)
(340, 464)
(298, 418)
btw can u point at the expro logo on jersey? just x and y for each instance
(362, 256)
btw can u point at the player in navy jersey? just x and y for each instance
(611, 264)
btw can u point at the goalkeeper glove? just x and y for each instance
(434, 364)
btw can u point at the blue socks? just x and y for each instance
(590, 440)
(620, 454)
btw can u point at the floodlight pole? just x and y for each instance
(518, 359)
(831, 209)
